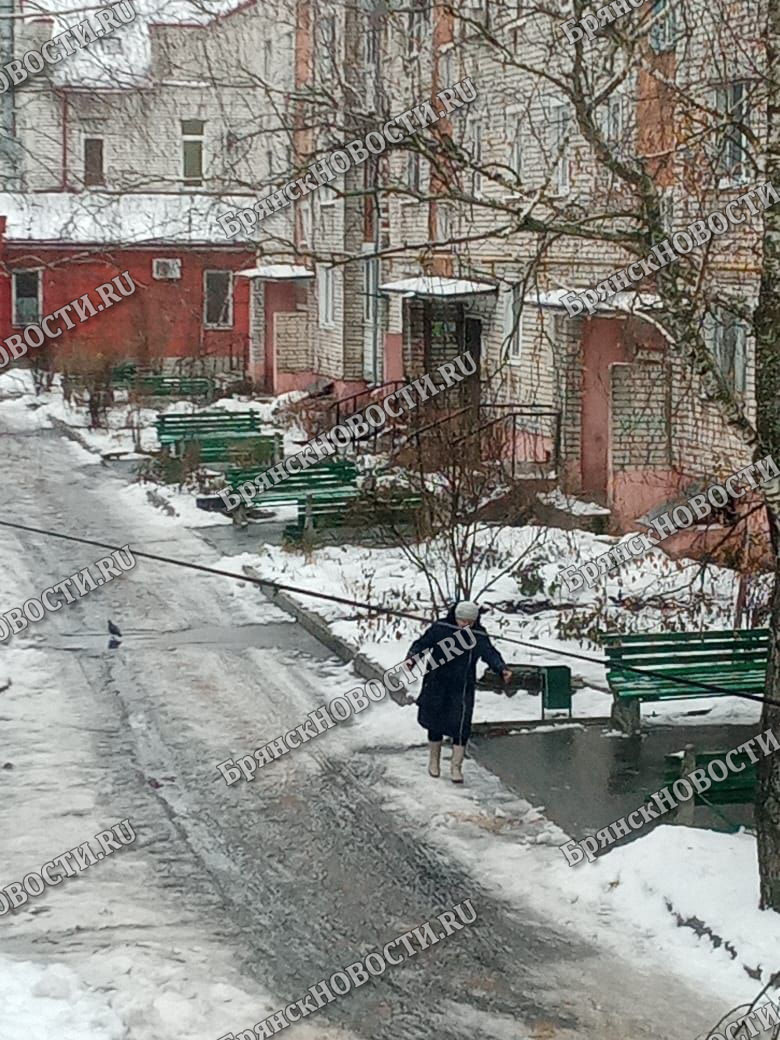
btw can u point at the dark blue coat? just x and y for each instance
(446, 703)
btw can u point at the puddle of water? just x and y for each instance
(587, 780)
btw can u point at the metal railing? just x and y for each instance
(348, 405)
(534, 434)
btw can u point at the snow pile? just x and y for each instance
(388, 578)
(51, 1000)
(651, 880)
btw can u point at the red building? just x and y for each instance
(55, 247)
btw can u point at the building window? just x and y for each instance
(370, 289)
(726, 337)
(26, 292)
(326, 296)
(663, 34)
(446, 68)
(558, 128)
(192, 152)
(474, 138)
(477, 11)
(218, 299)
(413, 171)
(329, 39)
(306, 221)
(613, 120)
(109, 45)
(666, 201)
(513, 324)
(516, 148)
(732, 107)
(443, 222)
(93, 161)
(418, 19)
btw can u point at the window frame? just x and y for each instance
(413, 172)
(715, 336)
(443, 219)
(559, 120)
(733, 142)
(306, 209)
(229, 324)
(326, 296)
(513, 324)
(418, 24)
(38, 272)
(85, 140)
(663, 35)
(188, 137)
(475, 126)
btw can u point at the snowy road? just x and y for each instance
(233, 901)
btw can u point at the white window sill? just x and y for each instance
(327, 328)
(218, 328)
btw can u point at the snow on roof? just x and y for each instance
(276, 272)
(435, 286)
(122, 59)
(118, 219)
(623, 301)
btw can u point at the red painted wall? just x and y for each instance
(602, 345)
(161, 319)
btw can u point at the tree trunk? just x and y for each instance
(767, 328)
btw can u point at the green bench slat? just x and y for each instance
(727, 637)
(733, 661)
(183, 424)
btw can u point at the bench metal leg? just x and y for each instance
(685, 807)
(626, 715)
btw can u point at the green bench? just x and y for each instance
(348, 509)
(325, 476)
(731, 660)
(219, 436)
(150, 385)
(738, 786)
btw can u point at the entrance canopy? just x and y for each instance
(429, 287)
(276, 272)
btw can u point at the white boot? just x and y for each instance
(458, 753)
(434, 753)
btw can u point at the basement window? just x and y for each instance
(26, 293)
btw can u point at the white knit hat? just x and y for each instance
(466, 611)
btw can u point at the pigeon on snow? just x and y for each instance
(113, 630)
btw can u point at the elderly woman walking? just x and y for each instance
(446, 703)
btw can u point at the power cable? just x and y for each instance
(375, 608)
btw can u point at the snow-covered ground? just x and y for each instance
(18, 396)
(627, 900)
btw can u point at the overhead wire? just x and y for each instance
(378, 609)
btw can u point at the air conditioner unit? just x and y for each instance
(166, 270)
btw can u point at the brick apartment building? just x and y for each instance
(416, 255)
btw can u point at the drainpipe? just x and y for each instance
(64, 171)
(10, 167)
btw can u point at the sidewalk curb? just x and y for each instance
(320, 629)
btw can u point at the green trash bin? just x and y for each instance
(556, 688)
